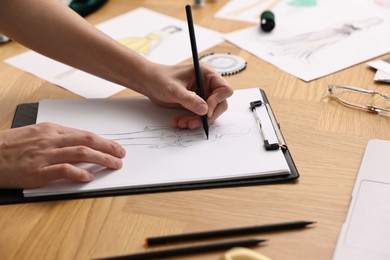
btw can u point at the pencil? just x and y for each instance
(153, 241)
(181, 251)
(198, 74)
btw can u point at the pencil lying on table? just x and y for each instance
(153, 241)
(190, 250)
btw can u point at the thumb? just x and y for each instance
(191, 101)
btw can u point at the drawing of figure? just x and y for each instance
(305, 46)
(263, 5)
(159, 137)
(142, 45)
(242, 9)
(145, 45)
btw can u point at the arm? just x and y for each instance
(34, 155)
(54, 30)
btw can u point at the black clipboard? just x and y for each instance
(26, 114)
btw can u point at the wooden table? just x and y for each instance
(326, 140)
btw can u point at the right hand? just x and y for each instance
(32, 156)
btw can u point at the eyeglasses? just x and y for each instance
(339, 94)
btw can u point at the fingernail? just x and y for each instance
(122, 152)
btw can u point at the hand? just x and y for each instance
(32, 156)
(175, 86)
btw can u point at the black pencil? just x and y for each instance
(153, 241)
(181, 251)
(195, 59)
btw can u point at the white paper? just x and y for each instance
(313, 42)
(366, 231)
(160, 38)
(383, 65)
(159, 155)
(382, 76)
(383, 70)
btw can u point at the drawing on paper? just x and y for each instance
(159, 137)
(240, 10)
(142, 45)
(145, 45)
(262, 5)
(305, 46)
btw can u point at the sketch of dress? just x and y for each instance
(159, 137)
(145, 45)
(305, 46)
(255, 5)
(142, 45)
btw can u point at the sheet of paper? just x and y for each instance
(250, 10)
(383, 70)
(312, 42)
(159, 155)
(160, 38)
(366, 229)
(382, 76)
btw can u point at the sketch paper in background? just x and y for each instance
(315, 41)
(250, 10)
(383, 70)
(160, 38)
(234, 150)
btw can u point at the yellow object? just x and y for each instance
(241, 253)
(144, 45)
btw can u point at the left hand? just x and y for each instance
(176, 87)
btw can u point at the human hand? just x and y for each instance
(32, 156)
(175, 86)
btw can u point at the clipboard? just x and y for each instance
(26, 114)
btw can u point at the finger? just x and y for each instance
(93, 141)
(83, 154)
(60, 136)
(187, 121)
(64, 171)
(217, 97)
(191, 101)
(192, 121)
(219, 110)
(218, 90)
(49, 127)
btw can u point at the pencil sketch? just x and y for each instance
(159, 137)
(145, 45)
(305, 46)
(142, 45)
(242, 9)
(259, 6)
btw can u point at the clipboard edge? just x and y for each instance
(294, 174)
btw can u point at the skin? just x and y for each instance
(35, 155)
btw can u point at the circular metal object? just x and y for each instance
(225, 63)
